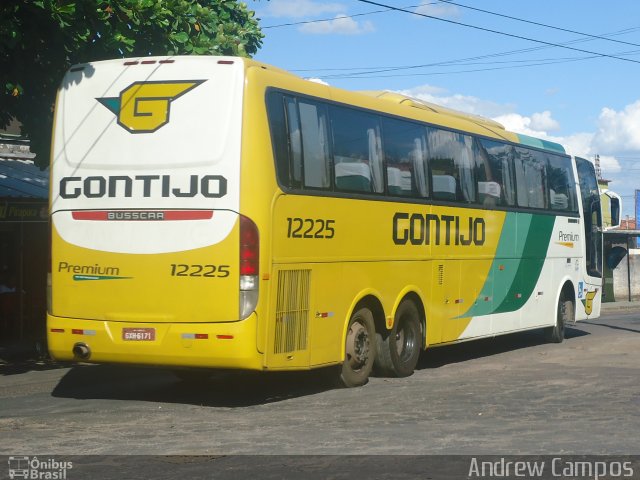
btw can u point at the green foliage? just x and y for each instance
(41, 39)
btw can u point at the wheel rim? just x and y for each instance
(405, 340)
(358, 346)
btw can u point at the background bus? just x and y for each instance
(217, 212)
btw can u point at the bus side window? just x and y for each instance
(299, 133)
(530, 178)
(357, 151)
(489, 190)
(562, 184)
(452, 165)
(495, 167)
(405, 158)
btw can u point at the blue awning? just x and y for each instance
(20, 178)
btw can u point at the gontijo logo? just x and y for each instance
(143, 107)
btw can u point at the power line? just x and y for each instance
(511, 35)
(460, 61)
(325, 19)
(304, 22)
(539, 63)
(371, 74)
(530, 63)
(370, 70)
(539, 24)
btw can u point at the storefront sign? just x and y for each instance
(23, 212)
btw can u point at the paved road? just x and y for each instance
(512, 395)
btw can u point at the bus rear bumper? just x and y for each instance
(210, 345)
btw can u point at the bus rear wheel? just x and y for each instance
(360, 349)
(564, 315)
(399, 350)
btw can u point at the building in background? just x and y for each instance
(24, 243)
(636, 203)
(621, 257)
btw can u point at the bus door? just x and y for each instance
(590, 286)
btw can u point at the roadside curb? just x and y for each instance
(617, 307)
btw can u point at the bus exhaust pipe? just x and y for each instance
(81, 351)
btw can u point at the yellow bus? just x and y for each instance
(220, 213)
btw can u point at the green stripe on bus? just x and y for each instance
(539, 143)
(510, 237)
(517, 264)
(531, 263)
(83, 278)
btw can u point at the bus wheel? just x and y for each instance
(399, 351)
(564, 315)
(360, 349)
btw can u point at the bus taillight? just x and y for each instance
(249, 266)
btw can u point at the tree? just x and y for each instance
(41, 39)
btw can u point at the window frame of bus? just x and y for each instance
(278, 93)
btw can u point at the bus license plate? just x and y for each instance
(139, 334)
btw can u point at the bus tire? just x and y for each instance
(360, 349)
(564, 315)
(399, 350)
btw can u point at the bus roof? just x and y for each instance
(477, 119)
(424, 105)
(493, 126)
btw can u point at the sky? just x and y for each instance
(561, 70)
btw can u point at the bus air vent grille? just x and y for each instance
(440, 274)
(292, 311)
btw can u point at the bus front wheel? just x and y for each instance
(399, 350)
(360, 349)
(564, 315)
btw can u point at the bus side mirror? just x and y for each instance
(612, 207)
